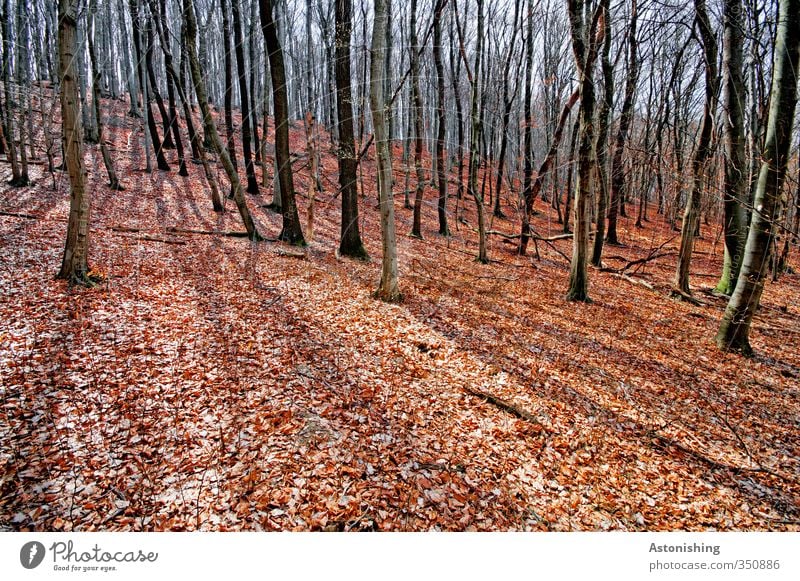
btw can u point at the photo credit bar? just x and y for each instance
(400, 556)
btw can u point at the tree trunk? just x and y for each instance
(74, 266)
(112, 174)
(626, 116)
(389, 287)
(350, 244)
(416, 96)
(527, 178)
(691, 215)
(441, 164)
(584, 45)
(735, 186)
(291, 231)
(208, 121)
(244, 97)
(602, 137)
(734, 329)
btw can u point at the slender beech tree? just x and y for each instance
(602, 136)
(389, 286)
(476, 129)
(350, 244)
(626, 117)
(441, 164)
(291, 230)
(416, 108)
(527, 172)
(734, 330)
(208, 121)
(585, 47)
(244, 97)
(691, 215)
(107, 161)
(735, 186)
(75, 263)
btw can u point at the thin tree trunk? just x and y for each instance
(602, 137)
(691, 215)
(416, 96)
(389, 287)
(441, 164)
(244, 97)
(208, 121)
(626, 116)
(291, 230)
(350, 244)
(74, 265)
(112, 174)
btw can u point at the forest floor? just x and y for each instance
(212, 383)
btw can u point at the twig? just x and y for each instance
(504, 405)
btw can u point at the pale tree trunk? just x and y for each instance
(585, 45)
(734, 330)
(735, 187)
(208, 121)
(75, 265)
(389, 287)
(691, 215)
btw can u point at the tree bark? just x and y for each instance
(584, 45)
(626, 116)
(735, 186)
(734, 330)
(416, 96)
(244, 97)
(350, 244)
(291, 230)
(691, 215)
(208, 121)
(74, 265)
(389, 287)
(441, 164)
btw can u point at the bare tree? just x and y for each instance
(389, 287)
(734, 330)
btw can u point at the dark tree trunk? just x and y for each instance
(626, 116)
(350, 244)
(441, 164)
(416, 97)
(244, 94)
(291, 231)
(208, 121)
(691, 217)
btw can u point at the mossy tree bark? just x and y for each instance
(734, 330)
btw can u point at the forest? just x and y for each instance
(410, 265)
